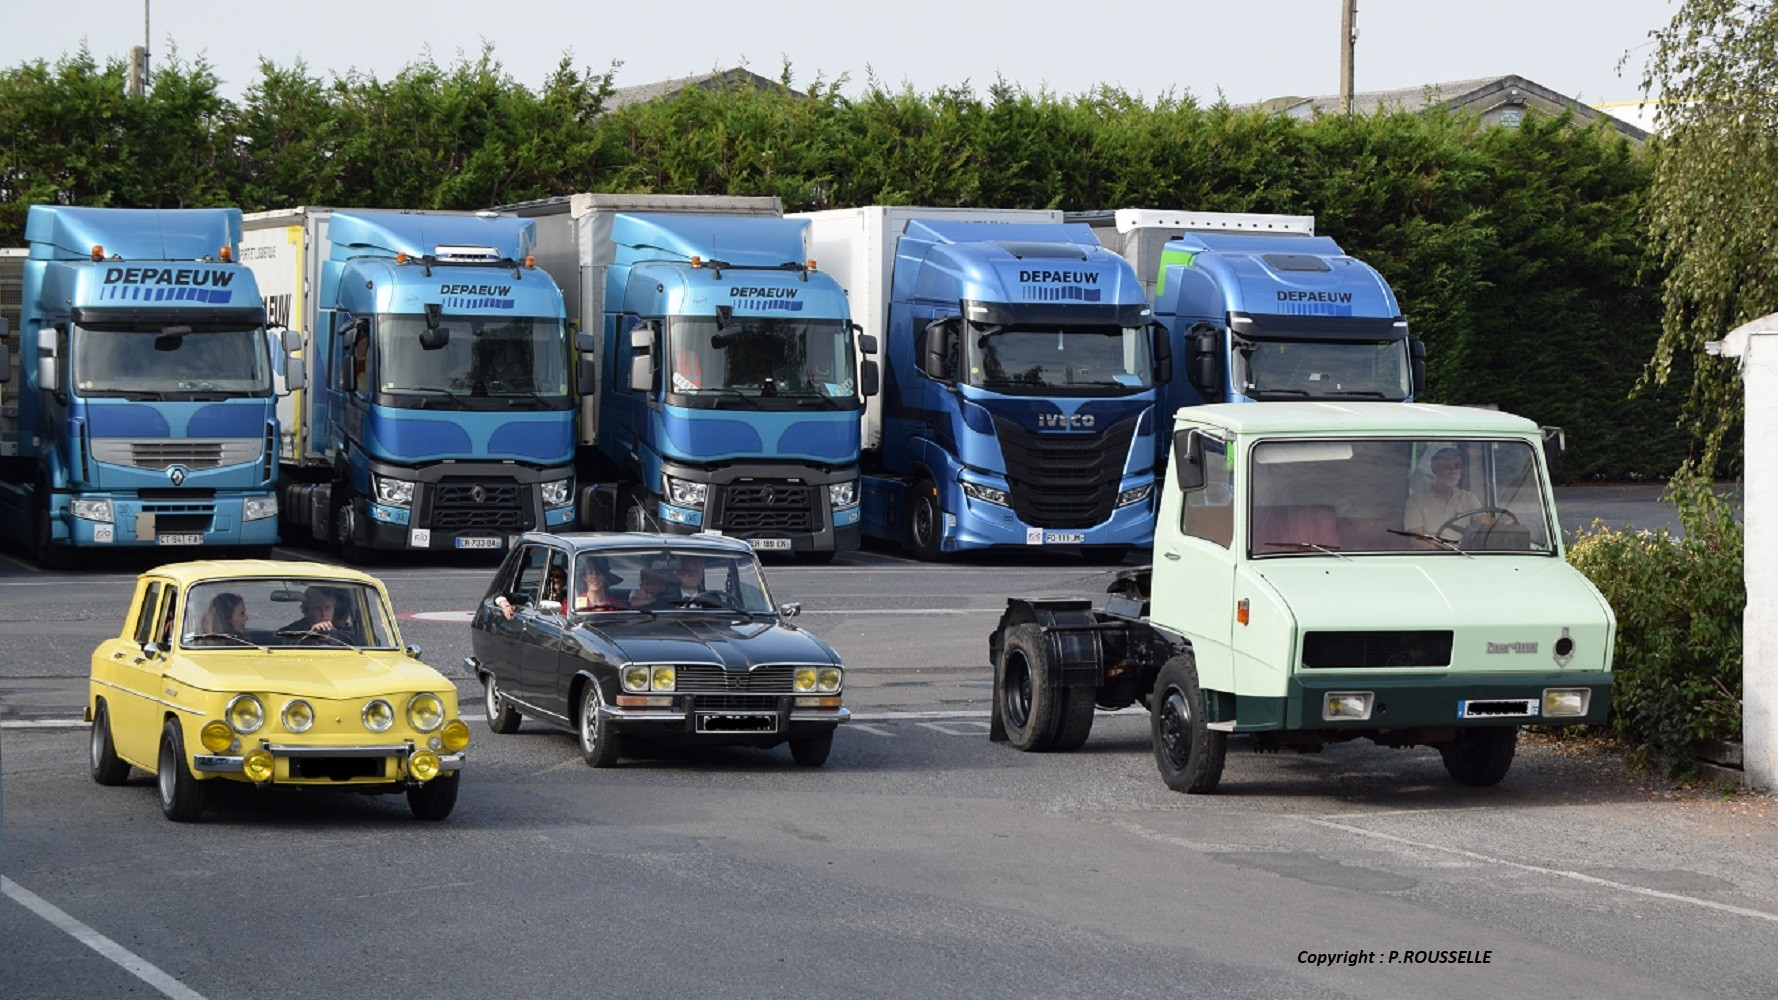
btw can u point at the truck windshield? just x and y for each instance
(1059, 361)
(175, 363)
(483, 356)
(1323, 496)
(1321, 369)
(760, 357)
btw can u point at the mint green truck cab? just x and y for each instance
(1325, 572)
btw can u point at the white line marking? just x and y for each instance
(1740, 911)
(950, 731)
(874, 730)
(43, 724)
(131, 963)
(893, 716)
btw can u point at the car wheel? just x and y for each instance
(812, 751)
(182, 795)
(1028, 704)
(1481, 757)
(599, 743)
(925, 522)
(107, 768)
(1189, 753)
(435, 799)
(502, 717)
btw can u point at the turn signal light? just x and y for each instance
(257, 765)
(216, 736)
(697, 261)
(225, 254)
(401, 257)
(1241, 611)
(98, 252)
(423, 765)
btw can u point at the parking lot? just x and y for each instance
(921, 860)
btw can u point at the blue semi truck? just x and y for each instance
(439, 413)
(1260, 308)
(719, 368)
(141, 407)
(1019, 381)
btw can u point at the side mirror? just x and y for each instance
(641, 373)
(642, 336)
(550, 607)
(1555, 446)
(1204, 369)
(411, 650)
(586, 342)
(1417, 364)
(1188, 460)
(586, 376)
(150, 650)
(6, 327)
(46, 359)
(1163, 354)
(867, 343)
(935, 350)
(790, 609)
(869, 380)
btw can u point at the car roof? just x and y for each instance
(197, 571)
(1334, 419)
(641, 541)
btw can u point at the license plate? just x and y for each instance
(1063, 537)
(714, 722)
(183, 539)
(770, 544)
(478, 543)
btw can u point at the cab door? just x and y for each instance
(1193, 588)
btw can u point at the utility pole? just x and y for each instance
(1348, 45)
(139, 59)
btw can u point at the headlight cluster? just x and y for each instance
(90, 510)
(1136, 495)
(843, 494)
(683, 493)
(298, 716)
(259, 508)
(558, 493)
(645, 678)
(425, 712)
(823, 679)
(392, 492)
(245, 714)
(378, 716)
(986, 494)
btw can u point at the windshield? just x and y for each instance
(760, 357)
(175, 363)
(1322, 369)
(1069, 361)
(274, 613)
(669, 580)
(1426, 495)
(483, 356)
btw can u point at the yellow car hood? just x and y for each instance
(308, 673)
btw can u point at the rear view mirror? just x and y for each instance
(434, 338)
(1204, 368)
(936, 349)
(869, 380)
(1188, 460)
(1163, 354)
(1417, 362)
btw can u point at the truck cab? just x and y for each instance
(1326, 572)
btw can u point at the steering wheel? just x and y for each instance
(707, 599)
(1451, 522)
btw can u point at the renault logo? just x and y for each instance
(478, 494)
(177, 474)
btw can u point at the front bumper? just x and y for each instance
(979, 524)
(1432, 700)
(209, 519)
(705, 721)
(333, 765)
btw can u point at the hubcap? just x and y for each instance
(491, 694)
(98, 739)
(167, 776)
(589, 718)
(923, 519)
(1175, 727)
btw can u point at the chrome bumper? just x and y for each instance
(218, 764)
(834, 715)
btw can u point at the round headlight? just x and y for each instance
(257, 765)
(298, 716)
(455, 735)
(425, 712)
(805, 678)
(216, 736)
(829, 679)
(245, 714)
(423, 765)
(635, 678)
(664, 678)
(378, 716)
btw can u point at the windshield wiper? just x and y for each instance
(301, 633)
(1442, 542)
(225, 635)
(1260, 392)
(1309, 545)
(723, 391)
(1361, 393)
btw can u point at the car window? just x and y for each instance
(1208, 511)
(673, 579)
(145, 616)
(529, 582)
(276, 613)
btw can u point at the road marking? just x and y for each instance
(949, 731)
(21, 564)
(874, 730)
(1739, 911)
(43, 724)
(131, 963)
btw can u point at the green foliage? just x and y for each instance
(1679, 601)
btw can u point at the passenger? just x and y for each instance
(555, 585)
(648, 590)
(1431, 508)
(317, 608)
(691, 577)
(225, 618)
(596, 580)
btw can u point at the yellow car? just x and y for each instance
(271, 673)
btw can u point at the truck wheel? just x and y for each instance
(1029, 706)
(1189, 753)
(1075, 720)
(635, 512)
(435, 799)
(925, 521)
(600, 745)
(107, 768)
(182, 794)
(812, 751)
(1481, 757)
(345, 526)
(502, 717)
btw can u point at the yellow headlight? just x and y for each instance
(216, 736)
(258, 765)
(245, 714)
(378, 716)
(805, 678)
(664, 678)
(298, 716)
(830, 679)
(425, 712)
(635, 678)
(455, 735)
(423, 765)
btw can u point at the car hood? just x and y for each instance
(307, 673)
(737, 644)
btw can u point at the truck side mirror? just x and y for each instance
(586, 376)
(935, 349)
(1205, 367)
(433, 338)
(1417, 364)
(642, 339)
(586, 343)
(1163, 354)
(867, 343)
(46, 359)
(869, 382)
(1188, 460)
(1555, 446)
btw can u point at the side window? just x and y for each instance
(555, 580)
(169, 603)
(529, 582)
(147, 618)
(1208, 511)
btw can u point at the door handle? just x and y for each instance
(1171, 555)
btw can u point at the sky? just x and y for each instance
(1245, 51)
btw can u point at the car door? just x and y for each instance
(134, 697)
(546, 633)
(1194, 567)
(507, 636)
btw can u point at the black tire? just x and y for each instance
(1029, 707)
(635, 512)
(1188, 752)
(107, 768)
(812, 751)
(345, 528)
(925, 522)
(435, 799)
(1481, 757)
(182, 794)
(1074, 719)
(600, 745)
(502, 717)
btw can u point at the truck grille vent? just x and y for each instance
(773, 506)
(697, 678)
(458, 504)
(158, 453)
(1377, 649)
(1064, 480)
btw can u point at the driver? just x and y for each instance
(317, 611)
(1441, 500)
(691, 576)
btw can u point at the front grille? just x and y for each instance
(735, 703)
(193, 453)
(1064, 480)
(1377, 649)
(698, 678)
(466, 503)
(767, 506)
